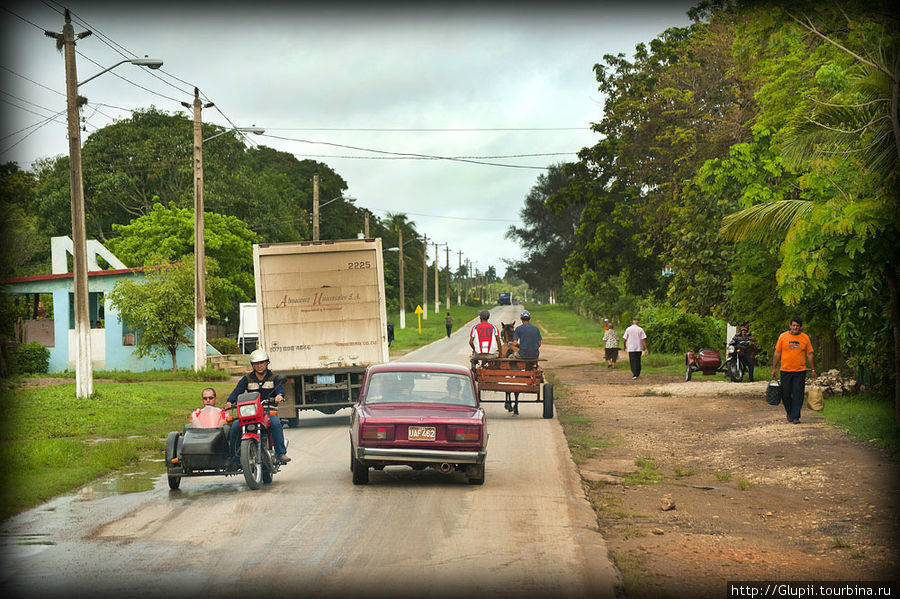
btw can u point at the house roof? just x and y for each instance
(69, 275)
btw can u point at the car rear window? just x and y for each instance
(421, 387)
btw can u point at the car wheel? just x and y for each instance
(548, 400)
(360, 471)
(251, 464)
(475, 474)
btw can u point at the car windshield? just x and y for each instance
(420, 387)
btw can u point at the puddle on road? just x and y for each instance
(140, 477)
(20, 545)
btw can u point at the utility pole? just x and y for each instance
(199, 236)
(367, 224)
(425, 277)
(84, 376)
(459, 278)
(437, 269)
(402, 296)
(447, 274)
(316, 208)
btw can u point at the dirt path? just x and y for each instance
(741, 495)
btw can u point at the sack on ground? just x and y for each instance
(773, 393)
(815, 399)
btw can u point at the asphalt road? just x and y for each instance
(528, 531)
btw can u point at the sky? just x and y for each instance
(352, 86)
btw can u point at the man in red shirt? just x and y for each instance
(793, 349)
(486, 336)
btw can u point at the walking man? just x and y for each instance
(794, 350)
(448, 321)
(636, 346)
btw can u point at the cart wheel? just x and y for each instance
(548, 400)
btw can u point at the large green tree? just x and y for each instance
(168, 233)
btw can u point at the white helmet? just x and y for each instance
(258, 355)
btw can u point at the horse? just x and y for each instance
(509, 348)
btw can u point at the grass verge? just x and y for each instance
(432, 329)
(52, 442)
(865, 417)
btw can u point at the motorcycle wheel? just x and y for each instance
(687, 373)
(251, 464)
(734, 371)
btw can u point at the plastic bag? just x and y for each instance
(815, 399)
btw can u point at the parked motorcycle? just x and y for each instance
(709, 362)
(201, 449)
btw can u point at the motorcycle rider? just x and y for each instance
(260, 379)
(746, 342)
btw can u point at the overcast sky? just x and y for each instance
(339, 82)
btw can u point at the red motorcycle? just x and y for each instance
(202, 448)
(708, 361)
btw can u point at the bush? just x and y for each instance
(225, 345)
(32, 358)
(671, 330)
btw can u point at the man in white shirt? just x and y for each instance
(636, 346)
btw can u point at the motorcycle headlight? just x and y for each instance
(247, 410)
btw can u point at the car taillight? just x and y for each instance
(379, 432)
(465, 433)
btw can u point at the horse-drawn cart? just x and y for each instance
(513, 376)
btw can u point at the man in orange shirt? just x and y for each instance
(793, 350)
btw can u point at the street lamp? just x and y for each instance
(200, 229)
(84, 383)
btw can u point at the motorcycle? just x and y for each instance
(201, 449)
(709, 362)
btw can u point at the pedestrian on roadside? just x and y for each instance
(611, 345)
(636, 346)
(746, 342)
(794, 350)
(449, 322)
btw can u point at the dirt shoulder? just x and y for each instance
(741, 493)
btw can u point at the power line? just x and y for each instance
(407, 154)
(428, 129)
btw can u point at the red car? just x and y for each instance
(418, 415)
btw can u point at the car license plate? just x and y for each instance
(421, 433)
(325, 379)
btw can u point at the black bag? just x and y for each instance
(773, 393)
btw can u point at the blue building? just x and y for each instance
(112, 343)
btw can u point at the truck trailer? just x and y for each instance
(322, 319)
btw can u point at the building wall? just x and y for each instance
(107, 349)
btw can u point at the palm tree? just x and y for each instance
(862, 122)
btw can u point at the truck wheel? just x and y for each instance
(251, 464)
(360, 470)
(548, 400)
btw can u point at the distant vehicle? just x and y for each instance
(418, 415)
(505, 298)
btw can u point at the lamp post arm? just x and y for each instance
(103, 71)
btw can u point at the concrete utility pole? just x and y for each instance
(402, 297)
(437, 269)
(459, 278)
(316, 207)
(366, 233)
(447, 274)
(199, 236)
(425, 277)
(84, 376)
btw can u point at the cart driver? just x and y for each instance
(487, 338)
(260, 379)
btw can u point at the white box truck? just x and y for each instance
(322, 318)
